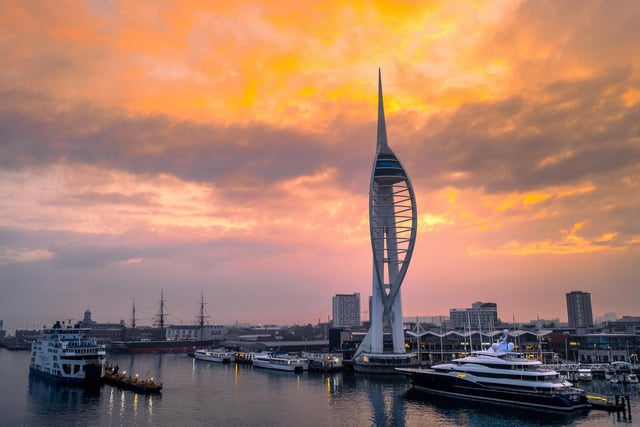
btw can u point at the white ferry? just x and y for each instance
(66, 354)
(280, 362)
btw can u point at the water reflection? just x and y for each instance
(50, 399)
(212, 394)
(385, 398)
(466, 412)
(127, 405)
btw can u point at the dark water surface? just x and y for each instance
(199, 393)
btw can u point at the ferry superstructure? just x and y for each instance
(66, 354)
(500, 375)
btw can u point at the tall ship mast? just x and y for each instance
(174, 339)
(161, 314)
(202, 316)
(133, 314)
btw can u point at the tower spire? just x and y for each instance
(382, 127)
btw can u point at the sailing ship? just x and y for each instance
(164, 345)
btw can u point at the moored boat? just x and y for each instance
(584, 373)
(280, 362)
(66, 354)
(500, 375)
(326, 362)
(623, 372)
(218, 355)
(384, 363)
(135, 383)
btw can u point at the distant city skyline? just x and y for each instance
(225, 149)
(347, 301)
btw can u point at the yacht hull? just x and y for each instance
(445, 384)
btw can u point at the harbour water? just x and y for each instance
(201, 393)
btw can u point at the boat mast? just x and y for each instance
(470, 337)
(202, 316)
(133, 315)
(479, 331)
(161, 314)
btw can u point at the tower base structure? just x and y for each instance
(384, 363)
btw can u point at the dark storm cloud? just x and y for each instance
(70, 250)
(155, 144)
(19, 237)
(567, 132)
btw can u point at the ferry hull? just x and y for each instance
(454, 386)
(93, 375)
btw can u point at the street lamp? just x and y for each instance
(566, 348)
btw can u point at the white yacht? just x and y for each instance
(584, 373)
(219, 355)
(66, 354)
(280, 362)
(623, 371)
(499, 375)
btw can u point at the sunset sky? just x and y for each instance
(225, 148)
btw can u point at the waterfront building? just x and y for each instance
(346, 310)
(595, 347)
(103, 332)
(425, 321)
(579, 309)
(195, 332)
(393, 223)
(628, 324)
(482, 316)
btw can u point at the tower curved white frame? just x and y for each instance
(393, 222)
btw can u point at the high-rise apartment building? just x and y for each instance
(579, 309)
(482, 316)
(346, 310)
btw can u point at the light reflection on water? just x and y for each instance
(202, 393)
